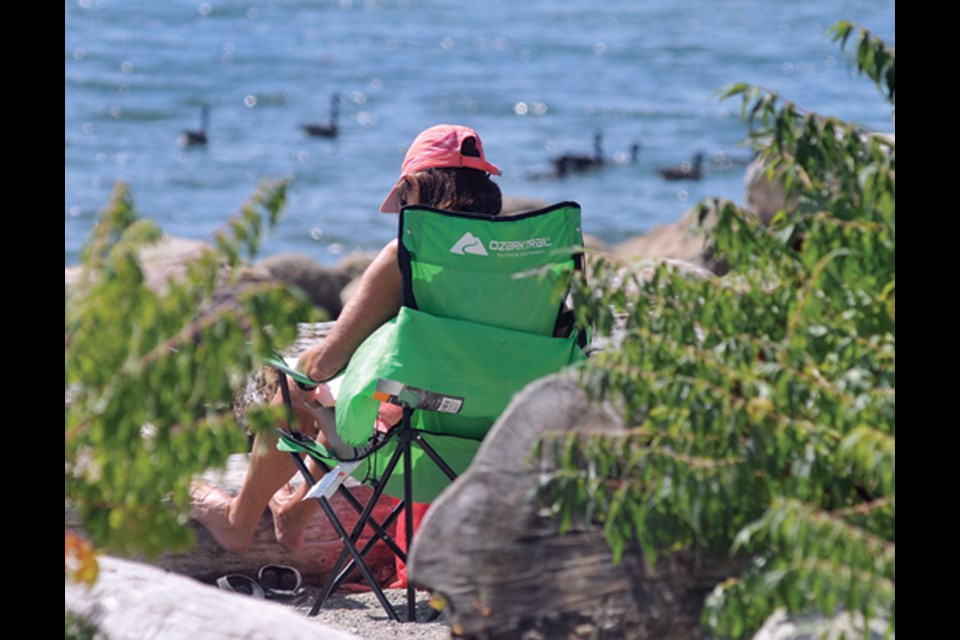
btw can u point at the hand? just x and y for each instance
(313, 362)
(300, 395)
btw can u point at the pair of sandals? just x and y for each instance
(274, 582)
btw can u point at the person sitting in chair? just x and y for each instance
(445, 167)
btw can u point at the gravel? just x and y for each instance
(361, 615)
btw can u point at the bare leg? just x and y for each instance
(290, 514)
(233, 520)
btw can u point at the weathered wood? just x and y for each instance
(321, 547)
(507, 572)
(207, 560)
(133, 600)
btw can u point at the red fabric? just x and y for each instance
(419, 510)
(388, 416)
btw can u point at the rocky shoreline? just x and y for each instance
(135, 600)
(329, 287)
(356, 615)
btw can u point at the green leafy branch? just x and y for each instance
(872, 55)
(762, 403)
(807, 558)
(152, 369)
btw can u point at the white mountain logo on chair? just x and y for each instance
(469, 243)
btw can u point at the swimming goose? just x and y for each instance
(628, 158)
(578, 162)
(326, 130)
(190, 138)
(686, 170)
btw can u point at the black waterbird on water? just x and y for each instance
(330, 129)
(686, 171)
(198, 137)
(580, 162)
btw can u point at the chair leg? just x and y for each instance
(350, 549)
(361, 565)
(379, 528)
(337, 576)
(433, 455)
(407, 437)
(339, 573)
(340, 578)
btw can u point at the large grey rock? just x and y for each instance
(507, 572)
(133, 600)
(168, 259)
(519, 204)
(354, 264)
(765, 192)
(595, 244)
(321, 284)
(684, 240)
(165, 258)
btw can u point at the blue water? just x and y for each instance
(535, 78)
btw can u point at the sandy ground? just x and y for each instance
(361, 615)
(131, 600)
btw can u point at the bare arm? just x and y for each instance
(376, 300)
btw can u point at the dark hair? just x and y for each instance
(453, 189)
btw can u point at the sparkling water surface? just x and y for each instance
(535, 78)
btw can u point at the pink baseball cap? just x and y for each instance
(438, 147)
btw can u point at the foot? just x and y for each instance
(211, 507)
(290, 517)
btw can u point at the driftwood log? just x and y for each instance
(208, 560)
(133, 600)
(506, 571)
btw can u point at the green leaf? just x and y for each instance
(765, 396)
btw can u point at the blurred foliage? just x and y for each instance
(152, 371)
(80, 627)
(761, 403)
(79, 559)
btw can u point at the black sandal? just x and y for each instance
(280, 581)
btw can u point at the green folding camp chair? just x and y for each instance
(483, 314)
